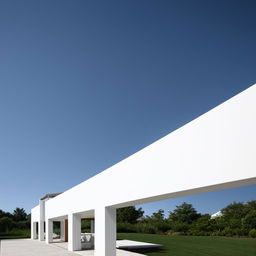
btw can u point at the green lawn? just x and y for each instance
(195, 246)
(15, 234)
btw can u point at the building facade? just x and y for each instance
(213, 152)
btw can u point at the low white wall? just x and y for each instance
(215, 151)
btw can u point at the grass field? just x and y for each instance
(195, 246)
(15, 234)
(179, 245)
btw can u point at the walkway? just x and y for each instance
(28, 247)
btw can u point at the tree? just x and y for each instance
(19, 214)
(6, 224)
(129, 214)
(2, 214)
(202, 225)
(184, 213)
(157, 223)
(5, 214)
(249, 221)
(158, 216)
(250, 206)
(233, 215)
(234, 211)
(218, 224)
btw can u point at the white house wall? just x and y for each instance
(215, 151)
(35, 214)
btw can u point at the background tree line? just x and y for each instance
(238, 219)
(18, 220)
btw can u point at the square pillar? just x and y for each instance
(62, 227)
(74, 232)
(105, 231)
(41, 230)
(41, 220)
(33, 230)
(49, 231)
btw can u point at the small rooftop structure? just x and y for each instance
(48, 196)
(216, 215)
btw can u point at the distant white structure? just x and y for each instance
(216, 215)
(215, 151)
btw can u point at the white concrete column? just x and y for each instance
(41, 220)
(62, 230)
(74, 232)
(48, 231)
(33, 230)
(92, 226)
(41, 230)
(105, 231)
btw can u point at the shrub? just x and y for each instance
(180, 226)
(22, 225)
(173, 233)
(124, 227)
(86, 226)
(25, 233)
(148, 228)
(249, 222)
(56, 231)
(252, 233)
(228, 231)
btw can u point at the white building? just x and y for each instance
(215, 151)
(216, 215)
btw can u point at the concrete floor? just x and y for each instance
(28, 247)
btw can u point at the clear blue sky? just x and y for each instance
(84, 84)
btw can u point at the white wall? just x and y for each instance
(35, 214)
(215, 151)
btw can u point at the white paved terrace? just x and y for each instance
(28, 247)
